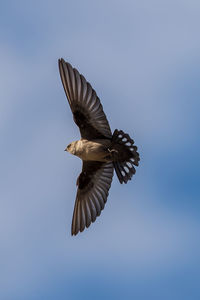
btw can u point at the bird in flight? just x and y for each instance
(100, 150)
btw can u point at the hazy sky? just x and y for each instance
(143, 60)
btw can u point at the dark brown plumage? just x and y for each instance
(100, 151)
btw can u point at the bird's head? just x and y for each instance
(71, 148)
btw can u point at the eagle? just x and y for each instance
(100, 150)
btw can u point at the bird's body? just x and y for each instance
(103, 150)
(94, 150)
(100, 150)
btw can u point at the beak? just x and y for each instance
(65, 149)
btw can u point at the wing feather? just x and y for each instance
(93, 187)
(92, 208)
(87, 214)
(85, 105)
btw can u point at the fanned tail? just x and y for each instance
(125, 165)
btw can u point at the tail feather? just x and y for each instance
(125, 167)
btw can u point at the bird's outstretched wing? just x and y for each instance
(93, 186)
(85, 105)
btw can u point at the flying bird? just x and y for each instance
(100, 150)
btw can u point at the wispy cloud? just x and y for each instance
(142, 58)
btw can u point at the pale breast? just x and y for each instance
(92, 150)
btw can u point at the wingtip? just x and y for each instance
(73, 233)
(74, 230)
(61, 61)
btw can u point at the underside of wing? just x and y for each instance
(85, 105)
(93, 188)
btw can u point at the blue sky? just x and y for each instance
(143, 60)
